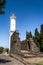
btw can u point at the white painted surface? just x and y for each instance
(12, 27)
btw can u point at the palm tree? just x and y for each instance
(2, 4)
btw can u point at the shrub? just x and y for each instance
(1, 50)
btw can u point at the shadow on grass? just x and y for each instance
(39, 64)
(4, 61)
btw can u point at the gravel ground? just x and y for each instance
(6, 60)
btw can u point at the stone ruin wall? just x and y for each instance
(29, 45)
(17, 45)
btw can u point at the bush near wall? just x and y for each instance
(1, 50)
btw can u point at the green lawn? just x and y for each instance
(39, 64)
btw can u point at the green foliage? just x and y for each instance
(39, 64)
(28, 35)
(41, 43)
(37, 35)
(41, 32)
(37, 43)
(7, 50)
(1, 49)
(41, 37)
(2, 4)
(1, 11)
(37, 38)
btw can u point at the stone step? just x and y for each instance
(24, 51)
(28, 55)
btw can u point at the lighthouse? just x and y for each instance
(12, 27)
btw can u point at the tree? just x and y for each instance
(1, 49)
(37, 37)
(36, 32)
(41, 32)
(41, 38)
(2, 5)
(7, 50)
(28, 35)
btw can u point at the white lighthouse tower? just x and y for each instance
(12, 27)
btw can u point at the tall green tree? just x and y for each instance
(1, 50)
(41, 31)
(37, 37)
(2, 5)
(28, 35)
(41, 37)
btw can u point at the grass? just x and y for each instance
(39, 64)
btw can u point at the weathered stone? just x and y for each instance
(33, 46)
(29, 45)
(15, 43)
(24, 45)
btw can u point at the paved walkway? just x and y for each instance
(6, 60)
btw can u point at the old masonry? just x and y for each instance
(16, 46)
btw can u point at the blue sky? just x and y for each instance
(29, 15)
